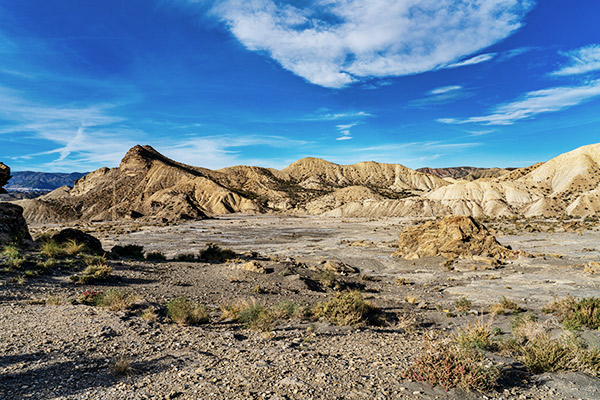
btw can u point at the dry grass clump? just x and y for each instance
(215, 254)
(93, 273)
(73, 248)
(536, 348)
(256, 316)
(576, 314)
(156, 256)
(476, 335)
(182, 311)
(130, 251)
(122, 367)
(348, 308)
(117, 300)
(463, 304)
(448, 364)
(505, 307)
(149, 314)
(51, 249)
(54, 300)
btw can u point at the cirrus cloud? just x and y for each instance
(333, 43)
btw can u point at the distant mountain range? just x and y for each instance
(30, 181)
(151, 186)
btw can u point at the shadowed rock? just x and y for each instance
(4, 176)
(13, 227)
(78, 236)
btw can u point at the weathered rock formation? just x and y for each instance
(4, 176)
(450, 237)
(93, 244)
(13, 227)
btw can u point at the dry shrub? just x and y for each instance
(52, 249)
(122, 367)
(504, 307)
(73, 248)
(117, 300)
(576, 314)
(182, 311)
(477, 334)
(348, 308)
(463, 304)
(446, 363)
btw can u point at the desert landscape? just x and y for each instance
(160, 280)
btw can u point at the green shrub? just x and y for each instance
(117, 300)
(156, 256)
(184, 312)
(93, 273)
(215, 254)
(255, 316)
(505, 306)
(11, 251)
(577, 314)
(463, 304)
(348, 308)
(52, 249)
(476, 335)
(131, 251)
(185, 257)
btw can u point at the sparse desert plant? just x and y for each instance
(122, 367)
(156, 256)
(402, 282)
(54, 300)
(505, 306)
(348, 308)
(411, 299)
(284, 309)
(117, 300)
(449, 365)
(185, 257)
(149, 314)
(183, 311)
(45, 265)
(16, 262)
(73, 248)
(52, 249)
(90, 297)
(131, 251)
(463, 304)
(256, 316)
(91, 259)
(11, 251)
(93, 273)
(576, 314)
(215, 254)
(477, 334)
(327, 278)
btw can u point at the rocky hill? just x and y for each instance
(466, 173)
(149, 185)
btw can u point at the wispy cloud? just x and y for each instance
(534, 103)
(583, 60)
(329, 116)
(344, 138)
(334, 43)
(473, 60)
(480, 133)
(445, 89)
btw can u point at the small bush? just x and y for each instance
(505, 306)
(156, 256)
(54, 300)
(131, 251)
(577, 314)
(257, 317)
(184, 312)
(90, 297)
(463, 304)
(91, 260)
(116, 300)
(52, 249)
(93, 273)
(149, 314)
(46, 264)
(348, 308)
(73, 248)
(475, 335)
(122, 367)
(327, 278)
(449, 365)
(215, 254)
(11, 251)
(185, 257)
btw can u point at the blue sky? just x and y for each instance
(266, 82)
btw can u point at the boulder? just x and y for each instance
(90, 241)
(4, 176)
(13, 227)
(451, 237)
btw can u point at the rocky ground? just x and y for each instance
(58, 350)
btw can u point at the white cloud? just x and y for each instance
(583, 60)
(333, 43)
(326, 116)
(473, 60)
(344, 138)
(480, 133)
(347, 126)
(534, 103)
(445, 89)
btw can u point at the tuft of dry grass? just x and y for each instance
(149, 314)
(463, 304)
(73, 248)
(117, 300)
(51, 249)
(475, 335)
(122, 367)
(505, 307)
(348, 308)
(576, 314)
(183, 311)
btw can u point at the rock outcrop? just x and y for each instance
(450, 237)
(4, 176)
(91, 243)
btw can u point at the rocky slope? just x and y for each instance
(465, 173)
(27, 181)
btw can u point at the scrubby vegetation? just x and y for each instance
(505, 307)
(576, 314)
(183, 311)
(348, 308)
(215, 254)
(130, 251)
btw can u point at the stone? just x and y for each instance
(4, 176)
(13, 227)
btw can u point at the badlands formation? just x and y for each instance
(151, 186)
